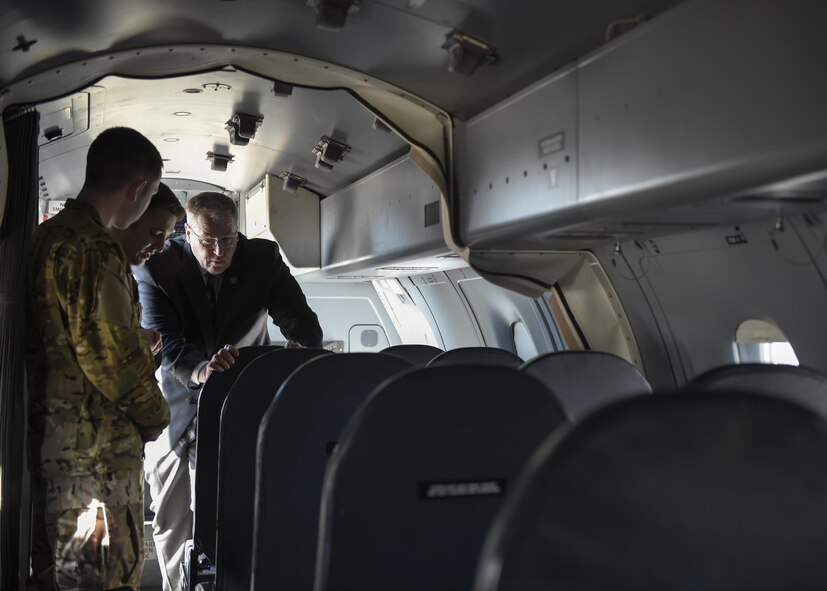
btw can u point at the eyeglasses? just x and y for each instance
(212, 243)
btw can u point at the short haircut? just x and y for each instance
(118, 156)
(166, 199)
(214, 206)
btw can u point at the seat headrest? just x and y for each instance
(688, 491)
(586, 380)
(803, 385)
(477, 356)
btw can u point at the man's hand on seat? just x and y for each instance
(221, 361)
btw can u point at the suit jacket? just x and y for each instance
(174, 299)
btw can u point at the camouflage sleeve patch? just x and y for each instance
(114, 301)
(102, 319)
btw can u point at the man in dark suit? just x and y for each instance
(208, 292)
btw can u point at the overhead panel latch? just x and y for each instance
(328, 152)
(242, 128)
(292, 182)
(219, 162)
(466, 53)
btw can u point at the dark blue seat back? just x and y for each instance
(413, 353)
(296, 437)
(586, 380)
(243, 410)
(210, 402)
(689, 491)
(421, 470)
(803, 385)
(477, 356)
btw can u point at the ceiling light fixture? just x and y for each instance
(182, 113)
(170, 139)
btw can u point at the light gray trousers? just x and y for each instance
(171, 481)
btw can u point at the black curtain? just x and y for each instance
(21, 128)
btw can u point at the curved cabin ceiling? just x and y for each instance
(186, 118)
(398, 41)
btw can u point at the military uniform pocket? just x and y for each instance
(82, 547)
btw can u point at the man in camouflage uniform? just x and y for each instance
(93, 400)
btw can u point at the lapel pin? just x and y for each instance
(233, 280)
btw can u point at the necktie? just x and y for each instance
(209, 284)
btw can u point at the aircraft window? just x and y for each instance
(409, 321)
(759, 341)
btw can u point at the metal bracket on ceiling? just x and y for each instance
(328, 152)
(466, 53)
(219, 162)
(292, 182)
(242, 128)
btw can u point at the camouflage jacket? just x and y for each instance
(92, 392)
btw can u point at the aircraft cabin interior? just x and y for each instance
(569, 259)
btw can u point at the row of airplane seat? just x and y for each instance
(245, 407)
(581, 380)
(210, 402)
(297, 436)
(241, 397)
(720, 485)
(377, 471)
